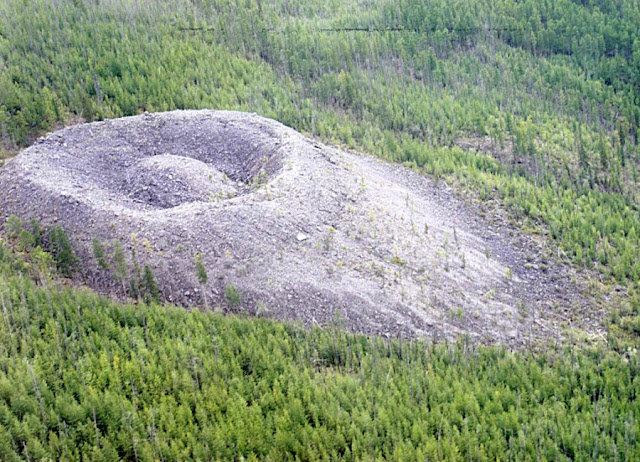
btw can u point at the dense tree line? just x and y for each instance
(82, 377)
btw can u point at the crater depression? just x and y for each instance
(302, 231)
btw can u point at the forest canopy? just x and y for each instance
(85, 378)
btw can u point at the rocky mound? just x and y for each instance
(303, 231)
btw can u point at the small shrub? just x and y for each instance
(201, 271)
(396, 260)
(26, 240)
(508, 273)
(99, 254)
(44, 263)
(13, 225)
(232, 296)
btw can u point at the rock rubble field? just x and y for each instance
(303, 231)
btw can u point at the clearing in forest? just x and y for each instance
(289, 228)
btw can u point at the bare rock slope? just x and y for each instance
(303, 231)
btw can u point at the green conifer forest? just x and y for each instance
(85, 378)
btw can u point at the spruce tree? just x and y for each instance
(37, 231)
(149, 286)
(63, 255)
(121, 270)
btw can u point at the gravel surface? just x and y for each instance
(304, 231)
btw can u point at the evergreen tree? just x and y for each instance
(121, 270)
(60, 248)
(149, 286)
(99, 254)
(36, 231)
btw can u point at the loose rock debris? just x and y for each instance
(303, 231)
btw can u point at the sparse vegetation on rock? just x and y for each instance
(302, 239)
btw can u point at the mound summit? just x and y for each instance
(303, 231)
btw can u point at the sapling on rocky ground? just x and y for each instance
(203, 277)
